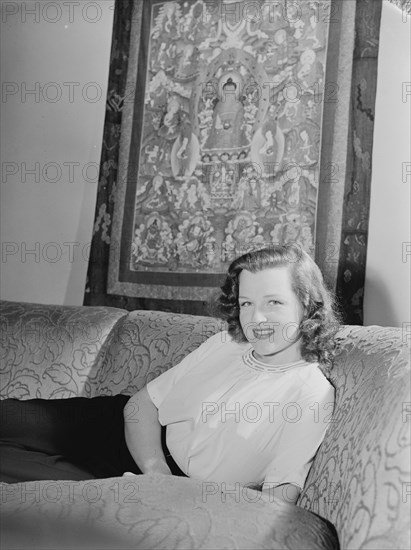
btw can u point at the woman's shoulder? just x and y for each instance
(221, 339)
(222, 343)
(315, 382)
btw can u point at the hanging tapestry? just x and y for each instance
(224, 145)
(207, 152)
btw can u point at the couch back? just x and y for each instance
(49, 351)
(54, 352)
(360, 476)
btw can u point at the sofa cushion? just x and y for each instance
(154, 512)
(360, 478)
(143, 345)
(48, 351)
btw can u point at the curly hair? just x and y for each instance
(320, 319)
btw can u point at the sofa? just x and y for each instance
(357, 494)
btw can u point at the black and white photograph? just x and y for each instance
(205, 305)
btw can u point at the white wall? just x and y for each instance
(387, 289)
(39, 131)
(36, 130)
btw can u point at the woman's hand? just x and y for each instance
(154, 468)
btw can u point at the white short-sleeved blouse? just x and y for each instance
(232, 418)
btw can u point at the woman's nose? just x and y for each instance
(258, 316)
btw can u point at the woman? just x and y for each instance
(247, 406)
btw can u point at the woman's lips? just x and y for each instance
(264, 333)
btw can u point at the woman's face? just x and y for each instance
(270, 314)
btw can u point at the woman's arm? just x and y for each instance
(142, 431)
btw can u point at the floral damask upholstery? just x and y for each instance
(145, 344)
(48, 351)
(359, 480)
(154, 512)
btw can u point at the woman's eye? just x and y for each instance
(244, 304)
(274, 302)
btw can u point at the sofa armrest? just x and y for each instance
(155, 511)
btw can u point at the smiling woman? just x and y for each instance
(241, 408)
(270, 314)
(276, 299)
